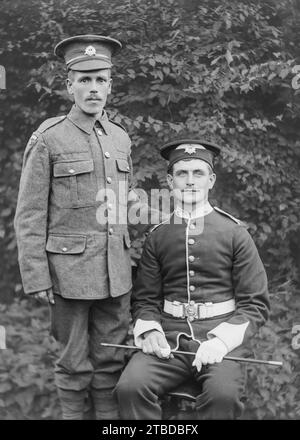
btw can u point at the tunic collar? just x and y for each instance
(86, 122)
(199, 212)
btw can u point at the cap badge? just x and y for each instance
(190, 149)
(90, 51)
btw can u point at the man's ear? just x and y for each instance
(170, 181)
(69, 86)
(109, 87)
(212, 180)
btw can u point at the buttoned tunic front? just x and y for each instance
(70, 164)
(211, 259)
(204, 262)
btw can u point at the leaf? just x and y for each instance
(175, 21)
(228, 56)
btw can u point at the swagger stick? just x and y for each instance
(229, 358)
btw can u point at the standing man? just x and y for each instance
(201, 287)
(67, 256)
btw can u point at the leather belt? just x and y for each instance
(194, 310)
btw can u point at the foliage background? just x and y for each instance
(222, 70)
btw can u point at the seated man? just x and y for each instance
(201, 287)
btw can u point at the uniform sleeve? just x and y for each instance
(147, 293)
(250, 291)
(131, 185)
(31, 217)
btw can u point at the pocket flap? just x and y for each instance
(66, 244)
(64, 169)
(123, 165)
(127, 240)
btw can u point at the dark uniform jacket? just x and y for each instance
(213, 259)
(62, 241)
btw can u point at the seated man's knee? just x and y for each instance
(223, 394)
(220, 401)
(225, 384)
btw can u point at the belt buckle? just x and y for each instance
(191, 311)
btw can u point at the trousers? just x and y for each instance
(80, 326)
(147, 378)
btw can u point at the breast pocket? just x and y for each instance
(74, 184)
(123, 168)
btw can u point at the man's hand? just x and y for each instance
(210, 352)
(155, 342)
(45, 296)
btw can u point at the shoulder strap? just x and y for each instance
(43, 127)
(118, 124)
(154, 227)
(228, 215)
(48, 123)
(159, 224)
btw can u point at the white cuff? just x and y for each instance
(218, 341)
(142, 326)
(231, 334)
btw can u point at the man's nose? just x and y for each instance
(190, 179)
(94, 88)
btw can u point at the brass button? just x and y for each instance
(64, 249)
(110, 231)
(99, 132)
(109, 179)
(109, 205)
(107, 155)
(191, 258)
(192, 288)
(192, 273)
(71, 171)
(191, 241)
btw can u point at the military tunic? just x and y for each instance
(210, 260)
(207, 260)
(61, 242)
